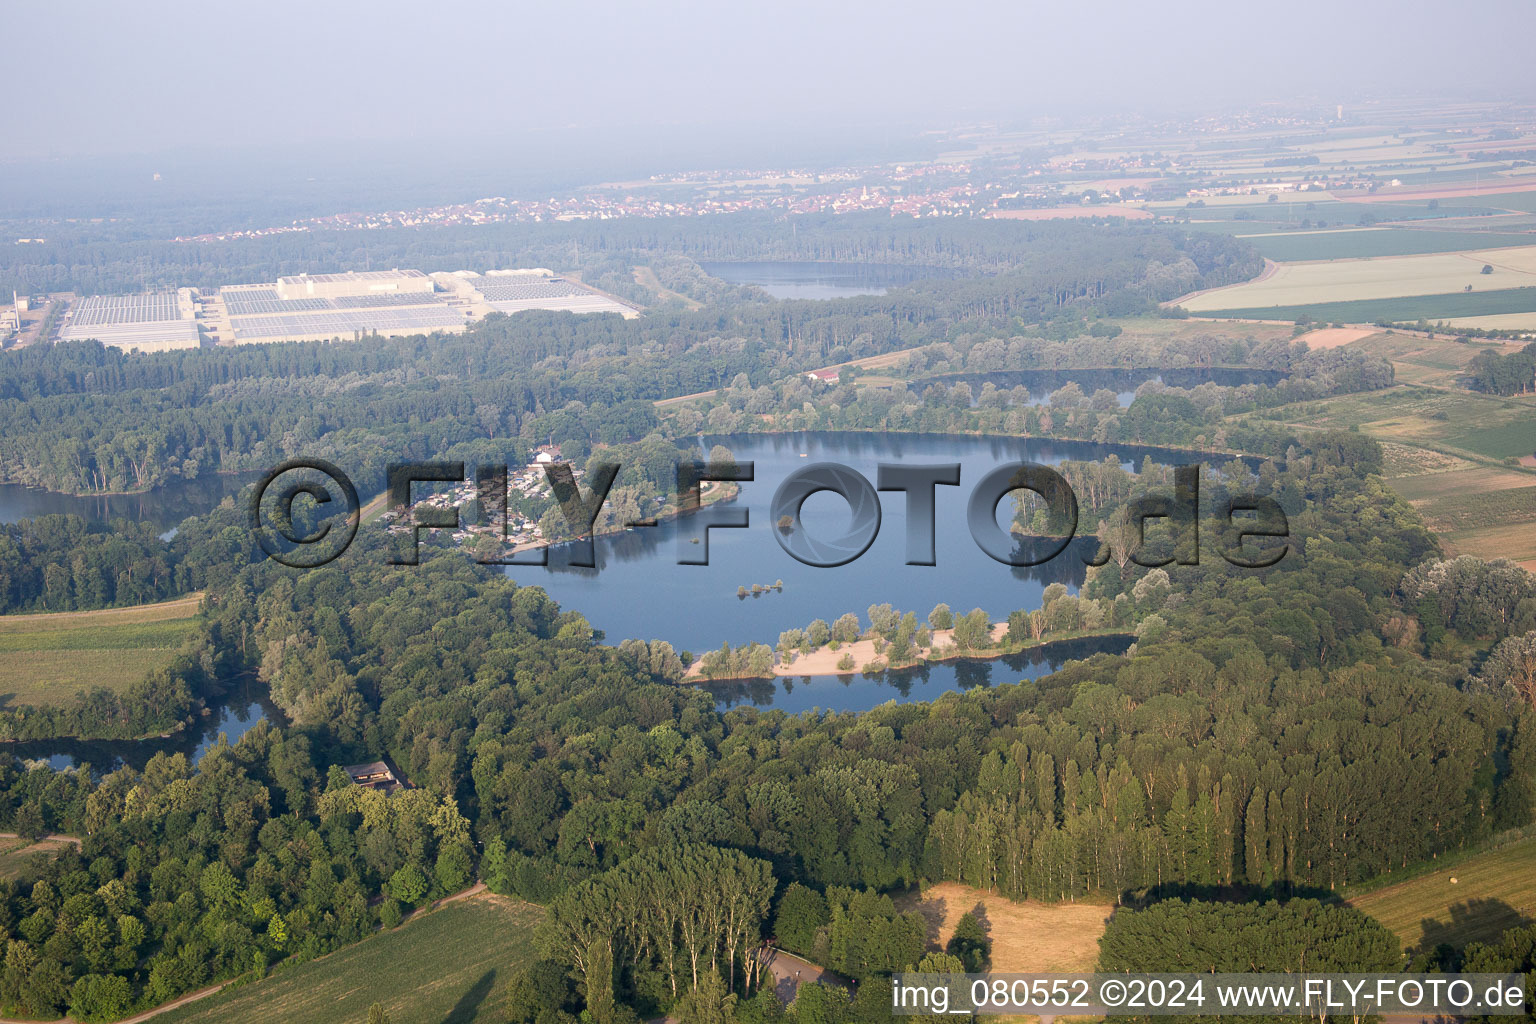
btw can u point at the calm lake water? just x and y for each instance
(165, 506)
(244, 706)
(863, 692)
(638, 589)
(788, 279)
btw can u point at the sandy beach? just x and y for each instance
(823, 662)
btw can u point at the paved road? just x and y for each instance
(790, 972)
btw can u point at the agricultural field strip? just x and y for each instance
(178, 608)
(1385, 277)
(168, 634)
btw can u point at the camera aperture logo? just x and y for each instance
(312, 533)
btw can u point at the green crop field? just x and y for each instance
(448, 967)
(1296, 246)
(1465, 512)
(1491, 893)
(1508, 440)
(49, 659)
(1405, 309)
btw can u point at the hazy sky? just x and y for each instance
(115, 77)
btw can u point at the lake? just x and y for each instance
(805, 279)
(861, 692)
(165, 506)
(237, 713)
(638, 589)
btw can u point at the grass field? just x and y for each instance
(48, 659)
(447, 967)
(1026, 937)
(1420, 360)
(1385, 277)
(1491, 893)
(17, 853)
(1461, 422)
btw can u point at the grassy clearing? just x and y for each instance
(48, 659)
(1420, 360)
(1026, 937)
(1427, 485)
(134, 636)
(446, 967)
(1501, 441)
(1401, 461)
(16, 854)
(1492, 892)
(1484, 427)
(1473, 511)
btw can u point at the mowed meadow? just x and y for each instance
(1027, 936)
(446, 966)
(48, 659)
(1471, 900)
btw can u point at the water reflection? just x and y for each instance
(165, 506)
(237, 713)
(863, 691)
(638, 589)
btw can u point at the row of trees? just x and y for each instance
(654, 925)
(1501, 373)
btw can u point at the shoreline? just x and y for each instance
(1048, 438)
(823, 661)
(136, 492)
(727, 491)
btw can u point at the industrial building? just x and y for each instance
(151, 322)
(352, 283)
(326, 307)
(513, 291)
